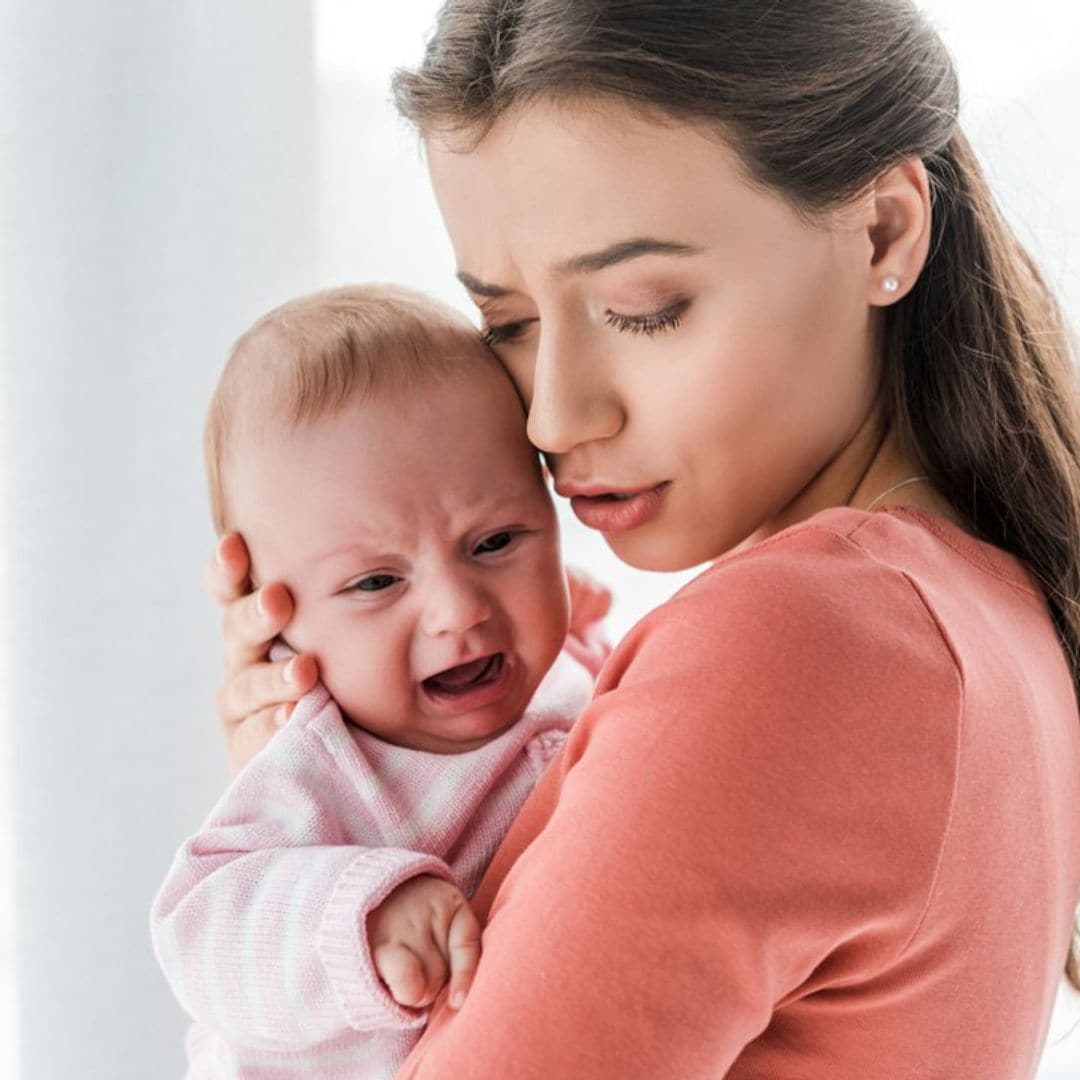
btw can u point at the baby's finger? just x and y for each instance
(434, 964)
(226, 574)
(265, 686)
(402, 972)
(463, 944)
(589, 599)
(251, 623)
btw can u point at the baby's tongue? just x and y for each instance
(462, 675)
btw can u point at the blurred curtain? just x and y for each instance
(157, 190)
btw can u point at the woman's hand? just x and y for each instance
(257, 696)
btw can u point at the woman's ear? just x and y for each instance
(898, 225)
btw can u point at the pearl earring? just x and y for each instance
(890, 284)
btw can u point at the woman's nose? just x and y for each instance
(572, 401)
(453, 605)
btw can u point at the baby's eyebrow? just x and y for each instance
(348, 548)
(590, 262)
(511, 510)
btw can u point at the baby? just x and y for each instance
(372, 452)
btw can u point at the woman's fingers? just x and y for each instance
(244, 740)
(226, 574)
(257, 695)
(261, 687)
(252, 622)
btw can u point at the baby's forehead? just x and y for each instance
(468, 431)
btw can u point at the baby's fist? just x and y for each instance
(423, 932)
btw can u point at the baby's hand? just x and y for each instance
(589, 600)
(422, 931)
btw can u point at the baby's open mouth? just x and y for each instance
(465, 677)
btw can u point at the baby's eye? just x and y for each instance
(374, 583)
(494, 542)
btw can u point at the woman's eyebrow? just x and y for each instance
(623, 251)
(480, 288)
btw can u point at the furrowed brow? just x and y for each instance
(481, 288)
(621, 252)
(590, 263)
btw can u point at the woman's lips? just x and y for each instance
(491, 682)
(615, 512)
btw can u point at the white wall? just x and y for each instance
(168, 171)
(158, 190)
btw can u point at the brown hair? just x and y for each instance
(315, 354)
(818, 98)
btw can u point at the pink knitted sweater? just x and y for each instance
(260, 923)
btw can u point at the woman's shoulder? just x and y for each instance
(838, 593)
(810, 654)
(802, 686)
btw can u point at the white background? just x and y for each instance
(167, 172)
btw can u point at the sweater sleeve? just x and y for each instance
(753, 804)
(259, 925)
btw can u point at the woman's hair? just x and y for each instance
(314, 355)
(819, 98)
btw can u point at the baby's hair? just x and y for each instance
(316, 354)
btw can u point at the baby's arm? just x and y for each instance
(260, 925)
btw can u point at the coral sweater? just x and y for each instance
(259, 925)
(821, 821)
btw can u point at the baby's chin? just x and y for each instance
(438, 742)
(460, 735)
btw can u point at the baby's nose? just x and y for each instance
(454, 606)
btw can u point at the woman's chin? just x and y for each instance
(657, 553)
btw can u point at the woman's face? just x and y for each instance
(698, 361)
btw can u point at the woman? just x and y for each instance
(822, 818)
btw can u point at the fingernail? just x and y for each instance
(289, 674)
(259, 604)
(281, 715)
(458, 999)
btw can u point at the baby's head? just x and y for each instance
(373, 454)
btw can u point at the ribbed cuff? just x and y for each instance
(342, 941)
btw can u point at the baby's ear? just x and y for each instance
(280, 649)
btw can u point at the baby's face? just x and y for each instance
(420, 545)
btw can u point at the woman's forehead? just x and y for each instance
(549, 189)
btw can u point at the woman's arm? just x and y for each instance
(750, 799)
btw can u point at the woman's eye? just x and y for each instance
(374, 583)
(496, 335)
(494, 542)
(668, 319)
